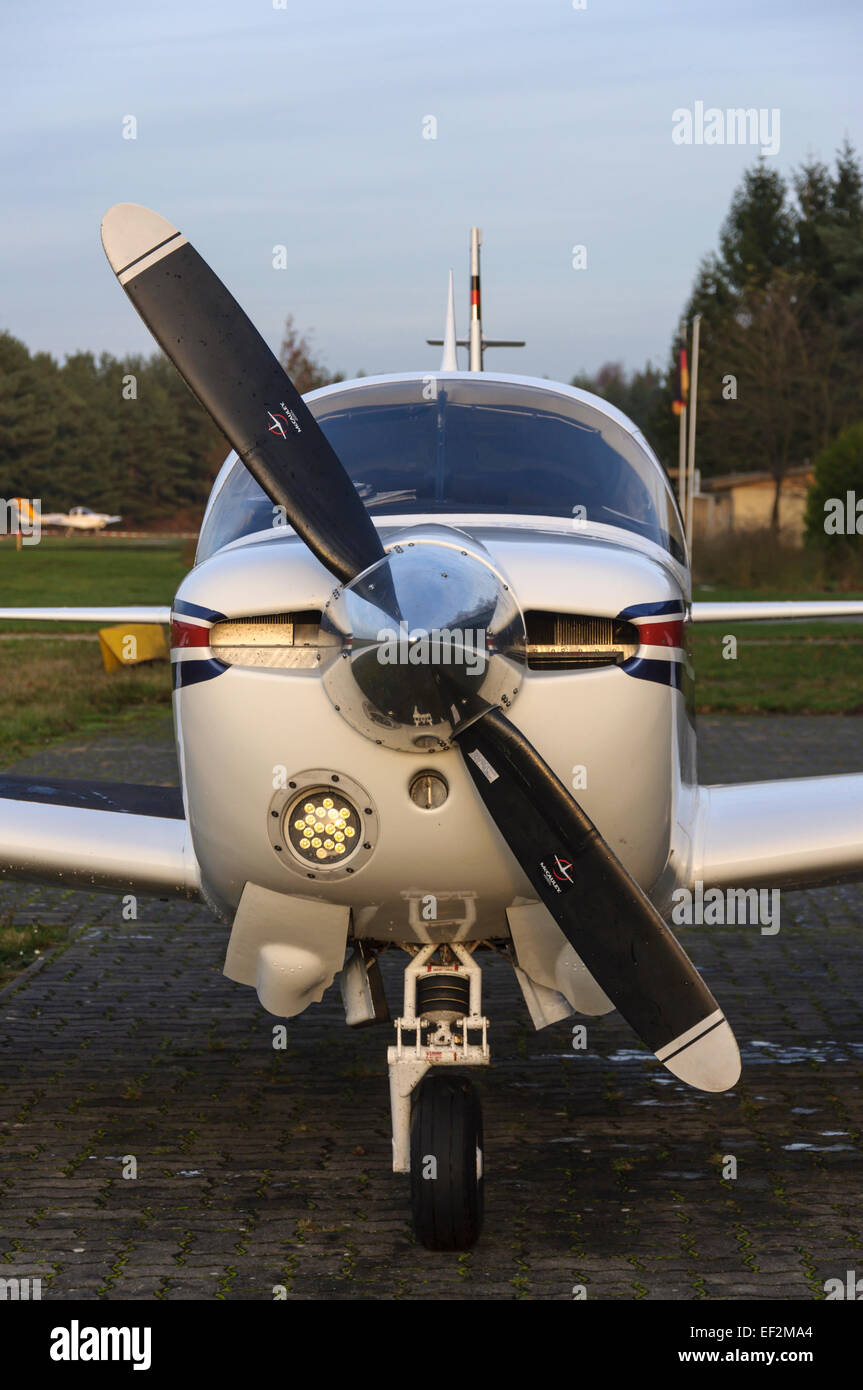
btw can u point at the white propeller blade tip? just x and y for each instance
(709, 1062)
(130, 231)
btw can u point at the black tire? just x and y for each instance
(446, 1193)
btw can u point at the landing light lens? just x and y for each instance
(320, 830)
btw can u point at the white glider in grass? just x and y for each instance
(431, 697)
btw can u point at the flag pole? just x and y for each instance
(680, 411)
(681, 452)
(693, 395)
(681, 467)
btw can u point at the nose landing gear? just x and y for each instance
(446, 1162)
(437, 1122)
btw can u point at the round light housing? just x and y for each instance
(322, 824)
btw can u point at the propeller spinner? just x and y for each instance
(431, 638)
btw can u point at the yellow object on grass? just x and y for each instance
(131, 643)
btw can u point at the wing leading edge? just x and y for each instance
(128, 613)
(104, 835)
(776, 611)
(800, 832)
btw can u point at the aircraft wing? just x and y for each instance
(126, 613)
(107, 835)
(798, 832)
(96, 834)
(776, 611)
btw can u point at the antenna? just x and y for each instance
(476, 343)
(475, 305)
(449, 361)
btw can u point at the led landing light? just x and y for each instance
(322, 828)
(322, 824)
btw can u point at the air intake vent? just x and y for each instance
(291, 640)
(556, 641)
(572, 641)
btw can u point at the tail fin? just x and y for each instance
(25, 510)
(449, 360)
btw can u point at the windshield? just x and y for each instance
(475, 446)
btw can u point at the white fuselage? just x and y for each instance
(625, 743)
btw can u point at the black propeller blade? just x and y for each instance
(608, 920)
(226, 363)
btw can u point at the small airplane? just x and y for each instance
(432, 696)
(76, 519)
(80, 519)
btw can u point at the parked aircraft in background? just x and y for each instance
(76, 519)
(79, 519)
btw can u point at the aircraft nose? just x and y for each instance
(430, 638)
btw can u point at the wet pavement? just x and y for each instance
(154, 1144)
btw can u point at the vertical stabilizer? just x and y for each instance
(449, 360)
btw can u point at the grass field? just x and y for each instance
(21, 946)
(779, 668)
(77, 571)
(53, 684)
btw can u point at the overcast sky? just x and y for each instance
(303, 127)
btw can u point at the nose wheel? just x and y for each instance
(437, 1122)
(446, 1162)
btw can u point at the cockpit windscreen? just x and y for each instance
(440, 446)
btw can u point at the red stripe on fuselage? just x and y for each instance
(666, 633)
(189, 635)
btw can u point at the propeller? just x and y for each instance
(603, 913)
(225, 362)
(601, 910)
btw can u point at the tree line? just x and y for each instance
(781, 365)
(118, 434)
(781, 370)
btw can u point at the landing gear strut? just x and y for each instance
(437, 1124)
